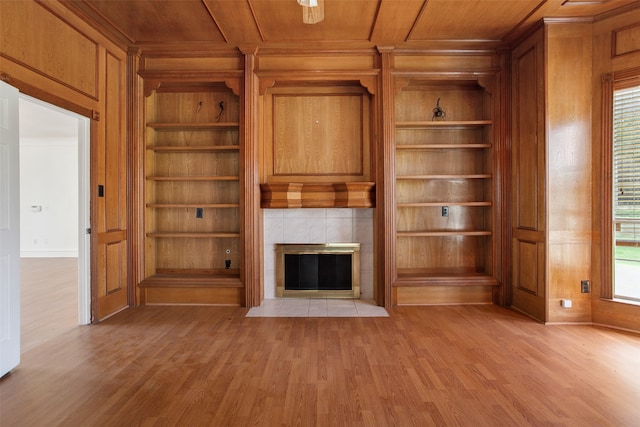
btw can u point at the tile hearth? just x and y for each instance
(317, 307)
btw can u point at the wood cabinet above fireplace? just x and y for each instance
(317, 146)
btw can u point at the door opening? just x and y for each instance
(55, 215)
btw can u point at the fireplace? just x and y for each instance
(322, 270)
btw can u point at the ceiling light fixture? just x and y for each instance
(312, 11)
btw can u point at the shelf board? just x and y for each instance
(194, 205)
(455, 176)
(193, 148)
(453, 124)
(440, 146)
(194, 178)
(230, 279)
(441, 233)
(188, 234)
(442, 203)
(417, 277)
(176, 127)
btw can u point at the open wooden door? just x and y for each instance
(9, 230)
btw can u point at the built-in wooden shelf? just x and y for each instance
(224, 278)
(192, 160)
(441, 176)
(194, 178)
(189, 235)
(441, 203)
(194, 205)
(193, 148)
(437, 233)
(438, 163)
(418, 277)
(439, 146)
(177, 127)
(317, 195)
(459, 124)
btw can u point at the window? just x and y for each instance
(626, 193)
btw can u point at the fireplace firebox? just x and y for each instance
(324, 270)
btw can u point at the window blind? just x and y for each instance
(626, 163)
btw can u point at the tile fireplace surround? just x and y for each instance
(311, 225)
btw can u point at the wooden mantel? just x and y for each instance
(317, 195)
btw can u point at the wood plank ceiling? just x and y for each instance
(347, 23)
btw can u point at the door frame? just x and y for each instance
(84, 206)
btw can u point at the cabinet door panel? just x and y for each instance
(528, 141)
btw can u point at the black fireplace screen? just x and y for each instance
(324, 272)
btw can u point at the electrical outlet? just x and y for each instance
(566, 303)
(199, 212)
(585, 286)
(445, 211)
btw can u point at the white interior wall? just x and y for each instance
(48, 182)
(48, 197)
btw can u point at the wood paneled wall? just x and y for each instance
(48, 53)
(43, 41)
(569, 176)
(552, 172)
(317, 134)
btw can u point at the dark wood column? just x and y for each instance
(249, 181)
(384, 258)
(135, 176)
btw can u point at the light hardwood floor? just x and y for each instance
(48, 299)
(422, 366)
